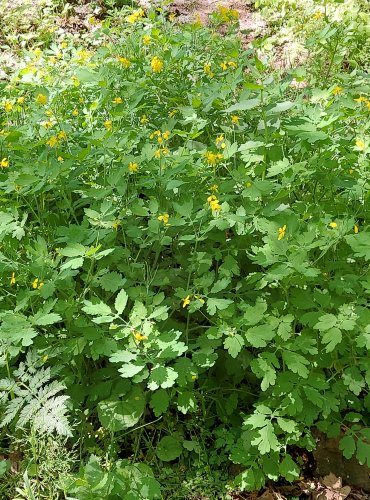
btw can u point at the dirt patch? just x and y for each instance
(188, 11)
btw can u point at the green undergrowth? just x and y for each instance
(184, 264)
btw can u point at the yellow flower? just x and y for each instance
(223, 66)
(214, 188)
(12, 279)
(41, 99)
(156, 133)
(62, 135)
(165, 151)
(146, 39)
(124, 61)
(108, 124)
(133, 167)
(156, 64)
(144, 119)
(134, 16)
(172, 17)
(215, 205)
(48, 113)
(4, 163)
(83, 55)
(60, 159)
(360, 144)
(194, 377)
(164, 218)
(333, 225)
(75, 80)
(235, 119)
(8, 106)
(207, 70)
(37, 52)
(368, 104)
(117, 100)
(356, 228)
(47, 124)
(318, 15)
(140, 337)
(36, 284)
(160, 139)
(232, 64)
(361, 99)
(53, 141)
(337, 90)
(21, 100)
(211, 198)
(172, 113)
(75, 112)
(63, 45)
(281, 232)
(220, 141)
(166, 135)
(186, 301)
(213, 158)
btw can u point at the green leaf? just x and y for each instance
(326, 322)
(121, 301)
(161, 376)
(296, 363)
(217, 304)
(288, 426)
(46, 319)
(360, 244)
(259, 336)
(129, 370)
(99, 309)
(266, 440)
(159, 402)
(72, 263)
(4, 467)
(168, 449)
(186, 402)
(289, 469)
(246, 480)
(353, 379)
(348, 445)
(17, 329)
(73, 250)
(111, 282)
(243, 105)
(332, 338)
(117, 415)
(234, 345)
(363, 452)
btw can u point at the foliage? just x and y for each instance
(184, 257)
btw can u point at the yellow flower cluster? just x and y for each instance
(144, 119)
(156, 64)
(37, 284)
(317, 15)
(117, 100)
(337, 90)
(160, 137)
(227, 15)
(213, 158)
(228, 64)
(108, 124)
(281, 232)
(147, 39)
(139, 336)
(235, 119)
(54, 140)
(133, 167)
(363, 99)
(214, 203)
(220, 141)
(135, 16)
(161, 152)
(41, 99)
(8, 106)
(126, 63)
(164, 218)
(207, 70)
(360, 144)
(4, 163)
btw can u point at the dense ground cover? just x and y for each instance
(184, 258)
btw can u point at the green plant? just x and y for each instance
(184, 241)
